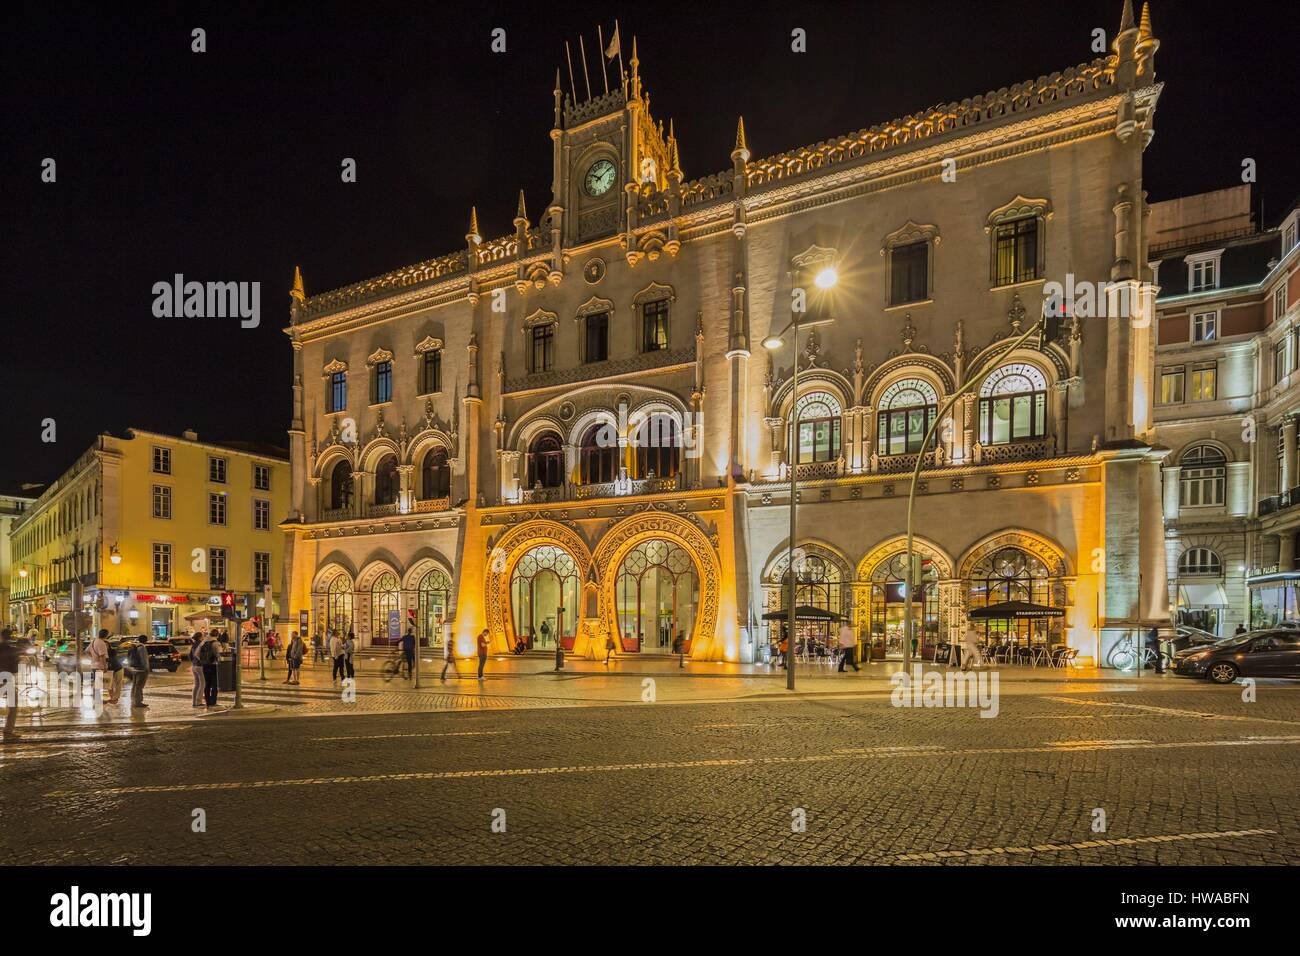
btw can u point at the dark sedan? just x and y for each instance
(1271, 653)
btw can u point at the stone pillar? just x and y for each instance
(405, 490)
(1060, 415)
(967, 412)
(1288, 476)
(360, 493)
(774, 424)
(511, 479)
(1286, 551)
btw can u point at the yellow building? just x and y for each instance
(154, 528)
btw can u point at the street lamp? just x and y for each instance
(825, 280)
(114, 555)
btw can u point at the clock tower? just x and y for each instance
(607, 149)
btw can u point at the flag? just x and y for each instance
(613, 49)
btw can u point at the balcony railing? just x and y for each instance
(1275, 503)
(625, 487)
(432, 504)
(812, 470)
(337, 514)
(1015, 451)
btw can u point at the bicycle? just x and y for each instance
(1124, 656)
(393, 666)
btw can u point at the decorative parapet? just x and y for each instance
(699, 192)
(432, 504)
(575, 114)
(428, 271)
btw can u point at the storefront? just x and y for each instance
(1202, 605)
(1274, 599)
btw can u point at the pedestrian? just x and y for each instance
(483, 642)
(848, 648)
(970, 642)
(9, 660)
(270, 645)
(679, 648)
(1153, 645)
(1241, 629)
(139, 662)
(99, 653)
(449, 658)
(408, 652)
(336, 655)
(350, 648)
(783, 652)
(196, 670)
(609, 647)
(114, 675)
(209, 657)
(293, 655)
(317, 648)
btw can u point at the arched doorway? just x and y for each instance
(656, 595)
(1012, 574)
(882, 597)
(433, 598)
(385, 611)
(544, 588)
(821, 577)
(338, 605)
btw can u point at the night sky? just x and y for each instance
(225, 166)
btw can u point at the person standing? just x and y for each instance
(293, 655)
(1241, 629)
(408, 652)
(317, 648)
(449, 659)
(336, 655)
(970, 642)
(679, 648)
(9, 659)
(483, 643)
(350, 648)
(196, 670)
(139, 674)
(209, 657)
(99, 653)
(848, 648)
(1153, 645)
(609, 647)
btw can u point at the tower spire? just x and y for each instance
(1126, 21)
(473, 236)
(521, 214)
(298, 292)
(742, 148)
(1144, 27)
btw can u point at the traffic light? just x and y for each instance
(1049, 326)
(228, 604)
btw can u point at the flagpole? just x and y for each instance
(572, 86)
(582, 48)
(622, 77)
(604, 74)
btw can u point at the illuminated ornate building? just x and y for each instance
(1226, 407)
(572, 429)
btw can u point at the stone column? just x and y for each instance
(1060, 415)
(775, 425)
(1286, 551)
(1288, 474)
(360, 491)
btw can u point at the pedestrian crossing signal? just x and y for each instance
(228, 604)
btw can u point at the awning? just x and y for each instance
(1014, 611)
(1204, 594)
(803, 612)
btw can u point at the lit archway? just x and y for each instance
(509, 552)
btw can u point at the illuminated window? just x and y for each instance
(1016, 251)
(1202, 477)
(656, 448)
(1203, 386)
(654, 326)
(907, 410)
(819, 416)
(544, 594)
(1013, 405)
(598, 459)
(338, 606)
(546, 461)
(1171, 385)
(1199, 561)
(385, 611)
(434, 598)
(656, 594)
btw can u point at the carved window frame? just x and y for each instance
(374, 361)
(332, 368)
(539, 319)
(1021, 207)
(909, 233)
(652, 294)
(594, 306)
(423, 349)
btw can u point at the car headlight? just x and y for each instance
(1198, 656)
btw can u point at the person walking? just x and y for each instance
(209, 657)
(99, 652)
(609, 647)
(1153, 645)
(848, 648)
(336, 655)
(970, 643)
(449, 659)
(293, 655)
(9, 659)
(198, 694)
(271, 643)
(349, 648)
(114, 676)
(139, 659)
(408, 652)
(317, 648)
(483, 643)
(679, 648)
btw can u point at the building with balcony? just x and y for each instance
(11, 509)
(153, 528)
(570, 431)
(1226, 406)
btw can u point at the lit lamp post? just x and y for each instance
(825, 280)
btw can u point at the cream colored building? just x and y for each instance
(471, 434)
(154, 527)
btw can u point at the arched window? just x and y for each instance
(341, 486)
(818, 415)
(1013, 405)
(888, 624)
(656, 595)
(546, 461)
(544, 581)
(1199, 561)
(338, 605)
(1010, 574)
(598, 456)
(819, 582)
(434, 592)
(1202, 476)
(385, 610)
(656, 447)
(386, 481)
(435, 474)
(907, 410)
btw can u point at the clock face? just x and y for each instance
(599, 178)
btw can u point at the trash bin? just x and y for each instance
(226, 673)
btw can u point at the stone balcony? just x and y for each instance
(623, 488)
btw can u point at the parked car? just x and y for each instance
(1269, 653)
(162, 654)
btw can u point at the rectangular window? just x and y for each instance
(543, 348)
(338, 391)
(909, 270)
(1203, 382)
(1279, 301)
(1289, 237)
(383, 382)
(1017, 251)
(262, 477)
(162, 501)
(1171, 385)
(217, 470)
(654, 326)
(597, 343)
(1205, 275)
(261, 569)
(162, 565)
(1205, 326)
(217, 569)
(162, 460)
(216, 508)
(431, 372)
(261, 514)
(1283, 359)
